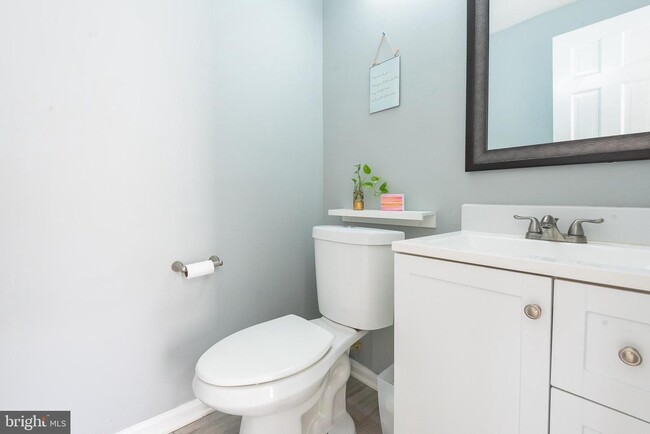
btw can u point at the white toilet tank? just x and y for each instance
(354, 275)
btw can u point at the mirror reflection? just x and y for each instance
(563, 70)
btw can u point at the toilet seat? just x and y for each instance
(265, 352)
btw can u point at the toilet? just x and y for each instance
(288, 375)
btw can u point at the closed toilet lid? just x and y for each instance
(264, 352)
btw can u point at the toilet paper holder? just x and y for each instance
(179, 267)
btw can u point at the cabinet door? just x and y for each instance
(467, 358)
(571, 414)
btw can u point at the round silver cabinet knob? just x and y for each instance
(630, 356)
(533, 311)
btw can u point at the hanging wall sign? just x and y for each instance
(384, 81)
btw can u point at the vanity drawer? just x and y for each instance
(591, 325)
(571, 414)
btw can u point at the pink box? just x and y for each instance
(392, 202)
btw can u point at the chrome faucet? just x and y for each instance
(547, 229)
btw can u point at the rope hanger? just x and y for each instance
(381, 41)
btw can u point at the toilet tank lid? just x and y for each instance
(264, 352)
(356, 235)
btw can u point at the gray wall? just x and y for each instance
(521, 70)
(420, 146)
(133, 134)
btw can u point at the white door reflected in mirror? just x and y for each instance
(601, 78)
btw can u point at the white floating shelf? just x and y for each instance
(423, 219)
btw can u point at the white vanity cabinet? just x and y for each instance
(468, 358)
(473, 352)
(499, 334)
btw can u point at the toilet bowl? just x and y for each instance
(289, 375)
(283, 402)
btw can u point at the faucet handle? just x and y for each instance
(576, 227)
(533, 227)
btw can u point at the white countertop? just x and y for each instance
(620, 265)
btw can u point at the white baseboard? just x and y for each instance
(363, 374)
(171, 420)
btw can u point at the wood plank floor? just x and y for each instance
(361, 401)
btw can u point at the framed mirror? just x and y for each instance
(552, 82)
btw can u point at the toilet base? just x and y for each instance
(322, 413)
(342, 425)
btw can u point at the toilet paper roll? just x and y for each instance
(199, 269)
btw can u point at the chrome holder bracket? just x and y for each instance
(179, 267)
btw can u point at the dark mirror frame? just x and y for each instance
(478, 157)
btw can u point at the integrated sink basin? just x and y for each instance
(606, 263)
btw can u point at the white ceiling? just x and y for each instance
(507, 13)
